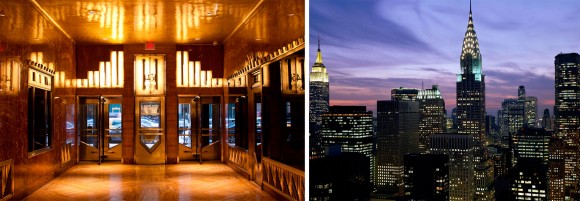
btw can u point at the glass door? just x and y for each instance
(150, 123)
(89, 128)
(188, 125)
(100, 128)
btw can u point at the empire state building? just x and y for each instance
(318, 103)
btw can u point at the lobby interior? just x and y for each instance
(152, 99)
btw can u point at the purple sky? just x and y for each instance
(370, 47)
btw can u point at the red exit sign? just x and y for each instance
(149, 45)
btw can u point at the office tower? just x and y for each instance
(500, 159)
(546, 120)
(397, 134)
(531, 111)
(567, 117)
(528, 180)
(344, 176)
(490, 125)
(349, 127)
(471, 110)
(319, 90)
(459, 148)
(556, 170)
(431, 108)
(531, 143)
(426, 177)
(530, 107)
(512, 118)
(432, 115)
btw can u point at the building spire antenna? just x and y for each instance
(319, 42)
(469, 6)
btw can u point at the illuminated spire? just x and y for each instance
(319, 54)
(470, 43)
(318, 73)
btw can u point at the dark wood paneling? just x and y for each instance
(27, 31)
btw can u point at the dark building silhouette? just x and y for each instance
(397, 134)
(426, 177)
(547, 120)
(344, 176)
(528, 180)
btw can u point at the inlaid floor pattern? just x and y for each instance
(185, 181)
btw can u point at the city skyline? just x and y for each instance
(385, 45)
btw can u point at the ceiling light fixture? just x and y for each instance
(91, 12)
(290, 14)
(197, 38)
(209, 14)
(2, 14)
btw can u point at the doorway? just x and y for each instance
(100, 128)
(199, 127)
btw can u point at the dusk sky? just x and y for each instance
(370, 47)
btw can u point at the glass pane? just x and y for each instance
(115, 125)
(150, 141)
(184, 123)
(184, 115)
(89, 134)
(258, 123)
(288, 115)
(150, 114)
(231, 123)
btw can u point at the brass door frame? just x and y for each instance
(195, 124)
(100, 119)
(142, 155)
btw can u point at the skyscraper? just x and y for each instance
(531, 143)
(459, 148)
(319, 89)
(530, 107)
(397, 134)
(528, 180)
(567, 118)
(351, 128)
(432, 115)
(471, 110)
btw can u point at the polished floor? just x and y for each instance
(186, 181)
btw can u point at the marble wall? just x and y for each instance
(24, 31)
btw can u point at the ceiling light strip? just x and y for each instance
(49, 18)
(252, 13)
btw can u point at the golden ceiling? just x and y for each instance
(139, 21)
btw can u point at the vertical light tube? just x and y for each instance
(96, 79)
(102, 72)
(179, 68)
(191, 78)
(121, 67)
(114, 68)
(197, 73)
(62, 77)
(208, 78)
(265, 76)
(203, 77)
(39, 57)
(186, 77)
(139, 74)
(56, 78)
(79, 83)
(51, 65)
(108, 73)
(85, 83)
(90, 78)
(33, 57)
(67, 84)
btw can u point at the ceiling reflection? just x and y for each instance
(129, 22)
